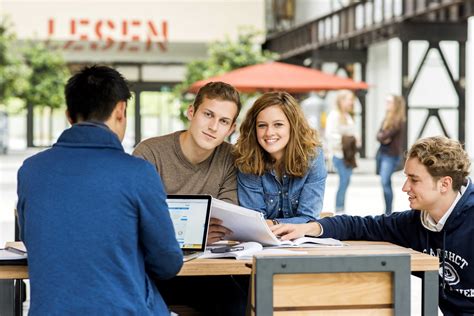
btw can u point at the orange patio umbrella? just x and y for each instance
(281, 76)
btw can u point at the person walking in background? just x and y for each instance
(389, 153)
(282, 173)
(342, 142)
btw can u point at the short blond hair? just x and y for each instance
(341, 95)
(442, 157)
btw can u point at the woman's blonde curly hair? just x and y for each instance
(442, 157)
(300, 150)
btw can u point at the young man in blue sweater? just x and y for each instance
(93, 218)
(440, 222)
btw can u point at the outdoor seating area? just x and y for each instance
(236, 158)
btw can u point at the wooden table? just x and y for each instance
(419, 262)
(425, 265)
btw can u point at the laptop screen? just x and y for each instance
(190, 215)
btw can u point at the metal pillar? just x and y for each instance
(405, 89)
(138, 117)
(362, 94)
(461, 91)
(29, 125)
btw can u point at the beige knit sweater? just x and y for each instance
(215, 176)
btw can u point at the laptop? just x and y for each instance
(190, 215)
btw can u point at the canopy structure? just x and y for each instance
(281, 76)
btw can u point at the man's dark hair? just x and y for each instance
(93, 93)
(218, 91)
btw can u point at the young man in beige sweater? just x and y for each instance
(199, 161)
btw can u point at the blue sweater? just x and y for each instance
(407, 230)
(96, 225)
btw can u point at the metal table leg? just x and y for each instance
(7, 297)
(430, 294)
(19, 297)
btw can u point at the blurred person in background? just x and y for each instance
(342, 142)
(389, 154)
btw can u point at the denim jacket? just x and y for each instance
(293, 200)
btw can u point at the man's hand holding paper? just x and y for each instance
(216, 231)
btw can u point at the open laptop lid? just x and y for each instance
(190, 215)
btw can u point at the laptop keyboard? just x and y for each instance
(189, 255)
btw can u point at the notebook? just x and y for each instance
(14, 253)
(190, 215)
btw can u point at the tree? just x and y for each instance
(12, 72)
(47, 77)
(224, 56)
(33, 73)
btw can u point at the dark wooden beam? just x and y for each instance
(433, 32)
(340, 56)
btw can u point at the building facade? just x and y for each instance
(149, 41)
(433, 88)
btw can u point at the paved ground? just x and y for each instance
(9, 165)
(364, 197)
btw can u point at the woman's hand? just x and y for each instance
(293, 231)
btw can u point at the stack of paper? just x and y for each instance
(250, 225)
(13, 253)
(8, 255)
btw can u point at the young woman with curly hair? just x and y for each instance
(281, 170)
